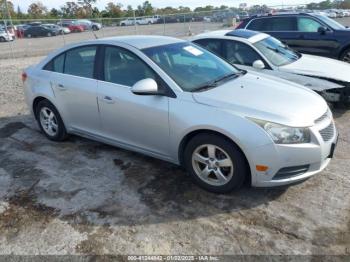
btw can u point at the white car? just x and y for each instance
(5, 36)
(261, 52)
(127, 22)
(169, 99)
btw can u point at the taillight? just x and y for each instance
(24, 76)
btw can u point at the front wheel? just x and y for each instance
(345, 56)
(215, 163)
(2, 39)
(50, 121)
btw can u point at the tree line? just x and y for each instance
(328, 4)
(87, 9)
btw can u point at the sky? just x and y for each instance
(163, 3)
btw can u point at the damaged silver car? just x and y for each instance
(256, 51)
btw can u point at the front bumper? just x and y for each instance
(289, 164)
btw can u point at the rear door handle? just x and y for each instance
(108, 100)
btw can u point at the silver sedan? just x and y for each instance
(172, 100)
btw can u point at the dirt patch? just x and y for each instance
(11, 128)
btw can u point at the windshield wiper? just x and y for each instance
(215, 82)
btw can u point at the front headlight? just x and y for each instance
(282, 134)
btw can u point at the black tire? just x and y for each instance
(2, 39)
(94, 28)
(49, 34)
(240, 169)
(61, 133)
(345, 56)
(29, 35)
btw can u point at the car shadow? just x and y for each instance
(86, 182)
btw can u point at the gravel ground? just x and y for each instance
(83, 197)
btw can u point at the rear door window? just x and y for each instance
(80, 61)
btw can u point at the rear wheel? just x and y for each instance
(2, 39)
(50, 121)
(29, 35)
(215, 163)
(346, 56)
(49, 34)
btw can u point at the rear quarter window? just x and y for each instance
(56, 64)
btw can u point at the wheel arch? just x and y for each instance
(40, 98)
(346, 47)
(193, 133)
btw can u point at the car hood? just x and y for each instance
(268, 98)
(322, 67)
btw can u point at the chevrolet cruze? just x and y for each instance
(172, 100)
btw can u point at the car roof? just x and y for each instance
(243, 35)
(281, 14)
(144, 41)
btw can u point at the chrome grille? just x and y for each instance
(323, 117)
(328, 132)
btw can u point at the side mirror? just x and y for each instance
(145, 87)
(258, 64)
(322, 30)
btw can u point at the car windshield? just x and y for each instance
(276, 52)
(191, 67)
(329, 21)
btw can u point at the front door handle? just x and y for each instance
(108, 99)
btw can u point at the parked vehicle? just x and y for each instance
(258, 51)
(331, 14)
(306, 33)
(126, 22)
(35, 31)
(72, 26)
(10, 30)
(61, 30)
(89, 25)
(5, 36)
(135, 92)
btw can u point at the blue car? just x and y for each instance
(309, 33)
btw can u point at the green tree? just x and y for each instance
(6, 10)
(69, 10)
(37, 10)
(87, 7)
(204, 9)
(129, 11)
(114, 10)
(54, 13)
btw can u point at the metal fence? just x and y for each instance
(177, 25)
